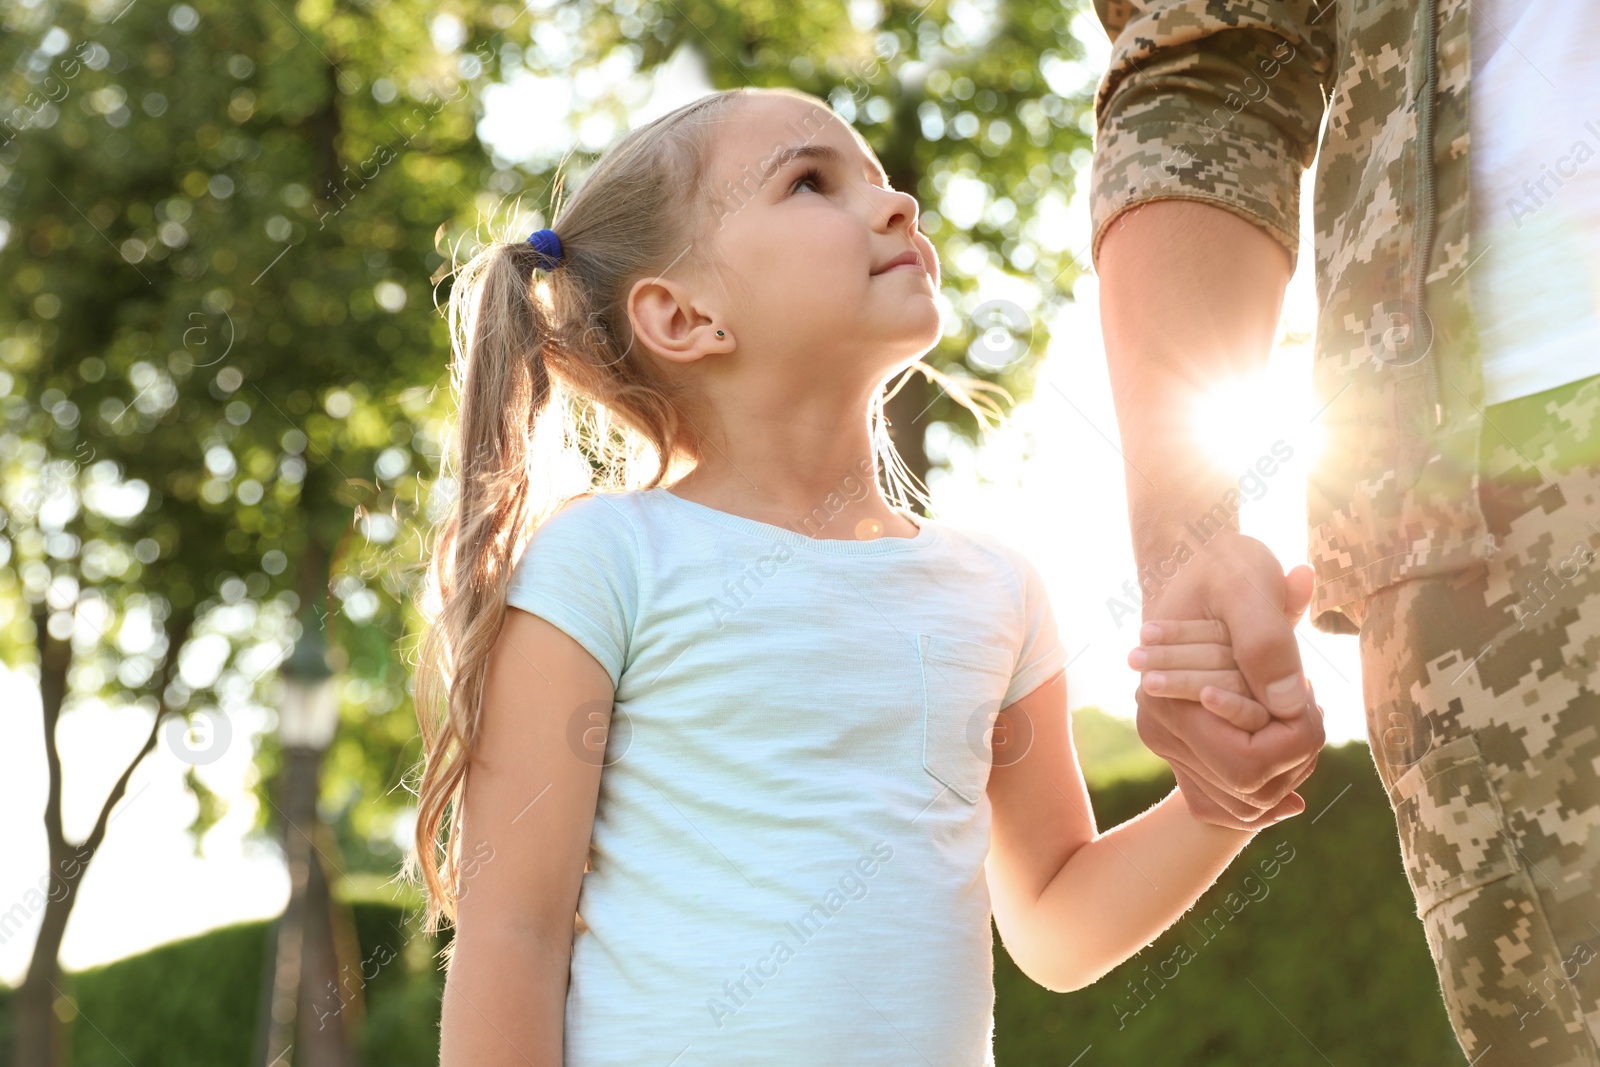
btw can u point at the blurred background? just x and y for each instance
(226, 231)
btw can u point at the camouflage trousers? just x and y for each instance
(1483, 710)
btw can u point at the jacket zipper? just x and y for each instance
(1424, 326)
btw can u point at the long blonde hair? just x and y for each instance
(556, 400)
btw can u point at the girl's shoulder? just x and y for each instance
(595, 524)
(986, 544)
(595, 508)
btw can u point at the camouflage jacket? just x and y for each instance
(1221, 101)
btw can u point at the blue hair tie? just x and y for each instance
(548, 245)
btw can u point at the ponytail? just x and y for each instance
(502, 388)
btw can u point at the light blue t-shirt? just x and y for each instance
(787, 858)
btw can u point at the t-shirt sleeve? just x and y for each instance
(579, 571)
(1042, 652)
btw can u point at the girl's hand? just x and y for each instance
(1193, 660)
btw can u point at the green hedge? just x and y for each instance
(184, 1004)
(194, 1003)
(1316, 958)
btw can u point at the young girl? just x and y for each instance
(760, 751)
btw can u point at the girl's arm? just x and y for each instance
(529, 808)
(1071, 903)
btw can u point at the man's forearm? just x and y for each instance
(1190, 296)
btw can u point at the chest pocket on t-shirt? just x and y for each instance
(963, 683)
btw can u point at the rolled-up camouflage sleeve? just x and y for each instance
(1211, 100)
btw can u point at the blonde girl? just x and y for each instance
(759, 753)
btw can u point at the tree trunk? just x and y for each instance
(40, 1037)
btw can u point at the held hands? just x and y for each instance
(1192, 659)
(1221, 632)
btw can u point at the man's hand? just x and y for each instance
(1230, 775)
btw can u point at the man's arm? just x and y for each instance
(1190, 296)
(1206, 118)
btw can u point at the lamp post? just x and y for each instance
(303, 980)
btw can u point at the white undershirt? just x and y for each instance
(1535, 159)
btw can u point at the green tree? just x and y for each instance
(218, 360)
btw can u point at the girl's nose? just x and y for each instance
(899, 211)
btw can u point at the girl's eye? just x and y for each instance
(812, 175)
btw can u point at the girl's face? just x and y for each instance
(805, 224)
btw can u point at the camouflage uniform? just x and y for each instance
(1484, 716)
(1220, 101)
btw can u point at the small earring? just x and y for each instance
(721, 334)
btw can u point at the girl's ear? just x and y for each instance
(667, 320)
